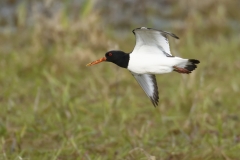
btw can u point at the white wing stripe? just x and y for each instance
(152, 38)
(149, 85)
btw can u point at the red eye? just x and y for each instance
(110, 54)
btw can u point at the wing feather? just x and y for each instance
(149, 85)
(157, 39)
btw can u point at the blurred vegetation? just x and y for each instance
(53, 107)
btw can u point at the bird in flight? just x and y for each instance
(151, 55)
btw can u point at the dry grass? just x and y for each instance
(53, 107)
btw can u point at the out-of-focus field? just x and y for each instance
(54, 107)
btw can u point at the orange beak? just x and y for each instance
(97, 61)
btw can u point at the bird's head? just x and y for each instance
(118, 57)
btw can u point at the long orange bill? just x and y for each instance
(97, 61)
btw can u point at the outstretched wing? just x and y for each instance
(156, 39)
(149, 85)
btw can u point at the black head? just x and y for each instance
(120, 58)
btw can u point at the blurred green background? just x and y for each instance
(54, 107)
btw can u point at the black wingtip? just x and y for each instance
(155, 99)
(154, 102)
(155, 96)
(173, 35)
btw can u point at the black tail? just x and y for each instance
(191, 65)
(188, 68)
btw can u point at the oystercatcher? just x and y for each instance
(151, 55)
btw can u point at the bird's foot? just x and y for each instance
(181, 70)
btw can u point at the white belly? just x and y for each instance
(152, 63)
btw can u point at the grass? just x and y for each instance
(54, 107)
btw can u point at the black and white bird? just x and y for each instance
(151, 55)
